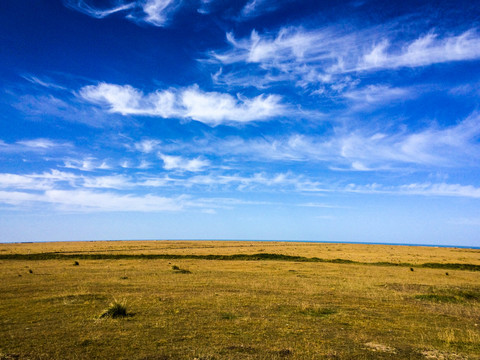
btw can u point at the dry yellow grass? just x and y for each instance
(355, 252)
(238, 309)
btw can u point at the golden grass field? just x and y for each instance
(238, 309)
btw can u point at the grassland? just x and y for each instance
(226, 306)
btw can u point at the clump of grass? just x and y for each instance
(318, 312)
(115, 310)
(180, 271)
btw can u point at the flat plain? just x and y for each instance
(238, 300)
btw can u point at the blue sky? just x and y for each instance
(248, 119)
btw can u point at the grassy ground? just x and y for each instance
(211, 309)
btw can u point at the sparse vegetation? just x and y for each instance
(235, 307)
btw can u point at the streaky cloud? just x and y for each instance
(326, 55)
(83, 7)
(153, 12)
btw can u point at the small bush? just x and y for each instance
(115, 310)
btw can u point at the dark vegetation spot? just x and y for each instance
(9, 356)
(451, 295)
(437, 298)
(242, 349)
(156, 357)
(318, 312)
(76, 263)
(177, 270)
(115, 310)
(285, 352)
(446, 273)
(30, 271)
(124, 277)
(228, 316)
(411, 269)
(86, 342)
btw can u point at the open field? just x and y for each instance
(238, 308)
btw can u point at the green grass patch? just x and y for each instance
(438, 298)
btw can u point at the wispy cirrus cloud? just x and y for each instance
(308, 56)
(211, 108)
(153, 12)
(423, 189)
(358, 148)
(88, 201)
(255, 8)
(39, 145)
(86, 164)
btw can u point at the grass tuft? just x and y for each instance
(115, 310)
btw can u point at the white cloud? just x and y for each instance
(147, 146)
(43, 181)
(47, 83)
(255, 8)
(41, 144)
(373, 95)
(83, 200)
(107, 182)
(87, 164)
(423, 51)
(153, 12)
(157, 12)
(127, 100)
(361, 147)
(182, 164)
(211, 108)
(84, 7)
(325, 55)
(423, 189)
(215, 108)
